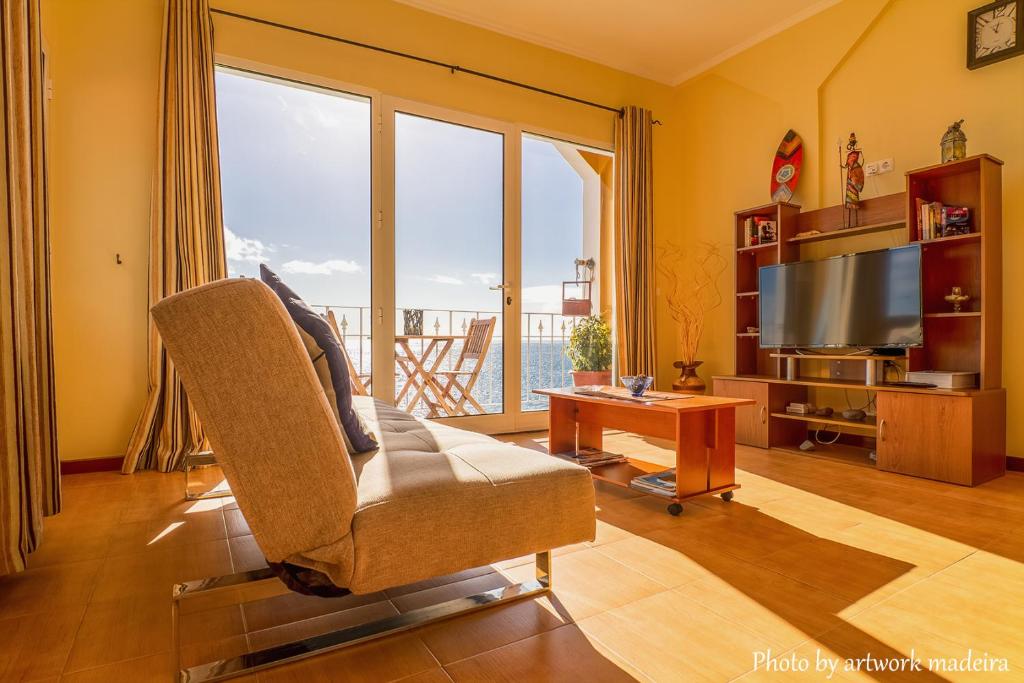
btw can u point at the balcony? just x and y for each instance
(542, 351)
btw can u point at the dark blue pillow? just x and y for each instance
(328, 360)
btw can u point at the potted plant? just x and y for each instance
(690, 280)
(590, 352)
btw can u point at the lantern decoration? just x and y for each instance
(954, 143)
(576, 294)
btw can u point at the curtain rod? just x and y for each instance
(424, 60)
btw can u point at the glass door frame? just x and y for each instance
(382, 234)
(384, 262)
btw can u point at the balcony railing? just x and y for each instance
(543, 340)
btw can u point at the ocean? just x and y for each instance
(543, 364)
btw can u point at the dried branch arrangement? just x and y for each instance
(691, 284)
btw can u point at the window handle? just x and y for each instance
(501, 288)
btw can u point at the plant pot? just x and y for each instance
(582, 378)
(688, 381)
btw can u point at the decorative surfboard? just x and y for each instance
(786, 167)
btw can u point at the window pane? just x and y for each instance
(561, 219)
(296, 182)
(449, 230)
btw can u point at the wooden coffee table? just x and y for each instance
(702, 427)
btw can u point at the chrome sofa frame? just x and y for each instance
(334, 640)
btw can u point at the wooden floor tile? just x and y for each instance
(859, 576)
(665, 565)
(155, 569)
(289, 607)
(36, 646)
(588, 582)
(440, 581)
(784, 611)
(671, 638)
(116, 630)
(47, 588)
(493, 627)
(324, 623)
(810, 555)
(564, 654)
(389, 659)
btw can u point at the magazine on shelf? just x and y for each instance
(660, 483)
(592, 457)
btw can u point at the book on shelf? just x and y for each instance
(659, 483)
(749, 233)
(592, 457)
(936, 220)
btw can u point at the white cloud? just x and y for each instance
(445, 280)
(323, 268)
(542, 299)
(243, 248)
(485, 278)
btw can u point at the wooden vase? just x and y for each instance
(688, 382)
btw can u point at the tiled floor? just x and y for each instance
(811, 555)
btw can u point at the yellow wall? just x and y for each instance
(895, 73)
(103, 58)
(105, 63)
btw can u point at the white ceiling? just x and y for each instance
(664, 40)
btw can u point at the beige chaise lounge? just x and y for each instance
(431, 501)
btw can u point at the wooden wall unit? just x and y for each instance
(956, 436)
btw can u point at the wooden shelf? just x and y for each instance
(953, 239)
(741, 295)
(764, 209)
(961, 314)
(623, 473)
(748, 334)
(823, 356)
(840, 233)
(839, 452)
(868, 423)
(756, 247)
(829, 383)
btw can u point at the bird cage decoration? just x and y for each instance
(576, 294)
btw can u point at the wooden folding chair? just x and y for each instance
(360, 383)
(478, 340)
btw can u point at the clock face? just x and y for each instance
(996, 30)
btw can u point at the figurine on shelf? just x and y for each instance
(957, 298)
(954, 143)
(854, 167)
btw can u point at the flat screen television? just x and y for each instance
(869, 300)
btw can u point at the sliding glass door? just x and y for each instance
(449, 250)
(452, 254)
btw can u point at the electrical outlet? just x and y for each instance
(885, 166)
(871, 168)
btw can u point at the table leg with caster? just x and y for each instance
(675, 509)
(727, 496)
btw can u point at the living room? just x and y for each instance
(749, 269)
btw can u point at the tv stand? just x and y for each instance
(951, 435)
(874, 366)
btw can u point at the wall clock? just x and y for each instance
(995, 32)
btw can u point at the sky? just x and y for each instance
(295, 173)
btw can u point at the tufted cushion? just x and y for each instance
(455, 499)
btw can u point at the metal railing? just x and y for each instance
(543, 339)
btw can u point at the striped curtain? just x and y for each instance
(187, 236)
(634, 242)
(29, 467)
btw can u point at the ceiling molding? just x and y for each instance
(596, 56)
